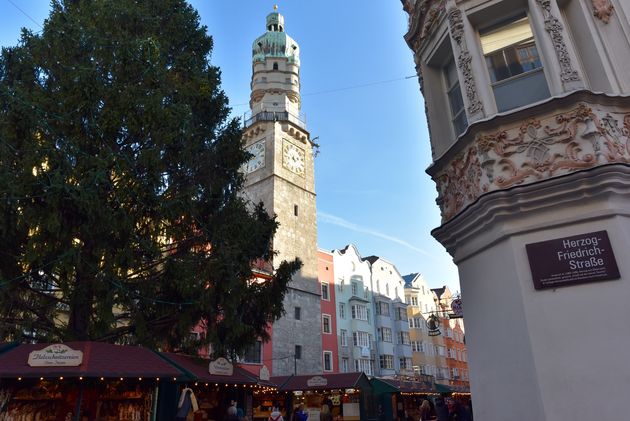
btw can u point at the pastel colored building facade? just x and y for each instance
(420, 304)
(355, 317)
(528, 104)
(330, 345)
(393, 345)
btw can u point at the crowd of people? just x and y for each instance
(443, 410)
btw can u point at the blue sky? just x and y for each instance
(360, 97)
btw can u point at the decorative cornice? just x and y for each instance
(423, 17)
(602, 9)
(541, 146)
(541, 205)
(464, 59)
(555, 28)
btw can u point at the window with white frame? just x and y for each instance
(416, 346)
(344, 365)
(387, 361)
(386, 334)
(382, 308)
(414, 301)
(328, 365)
(361, 339)
(359, 312)
(342, 310)
(326, 324)
(403, 338)
(363, 365)
(253, 354)
(344, 337)
(405, 363)
(325, 291)
(401, 313)
(354, 288)
(513, 63)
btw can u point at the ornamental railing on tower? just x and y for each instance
(249, 119)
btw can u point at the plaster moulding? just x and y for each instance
(456, 25)
(423, 16)
(539, 147)
(602, 9)
(555, 30)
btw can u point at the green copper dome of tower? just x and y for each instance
(275, 42)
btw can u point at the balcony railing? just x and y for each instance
(249, 119)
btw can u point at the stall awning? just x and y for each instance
(442, 388)
(406, 386)
(323, 381)
(98, 360)
(197, 368)
(383, 386)
(5, 346)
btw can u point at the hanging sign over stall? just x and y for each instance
(316, 381)
(221, 367)
(56, 355)
(264, 373)
(572, 260)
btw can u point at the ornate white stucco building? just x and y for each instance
(529, 116)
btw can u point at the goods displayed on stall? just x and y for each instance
(217, 385)
(81, 381)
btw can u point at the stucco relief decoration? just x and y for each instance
(458, 185)
(602, 9)
(537, 149)
(554, 28)
(464, 59)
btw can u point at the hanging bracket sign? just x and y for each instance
(221, 367)
(56, 355)
(572, 260)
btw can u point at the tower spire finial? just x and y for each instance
(275, 7)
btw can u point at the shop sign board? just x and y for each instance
(264, 373)
(56, 355)
(316, 381)
(221, 367)
(572, 260)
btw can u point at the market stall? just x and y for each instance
(82, 381)
(404, 396)
(216, 384)
(346, 393)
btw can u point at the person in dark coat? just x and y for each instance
(441, 410)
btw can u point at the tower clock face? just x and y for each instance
(293, 158)
(258, 159)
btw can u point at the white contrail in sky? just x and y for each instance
(340, 222)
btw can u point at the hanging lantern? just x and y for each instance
(433, 324)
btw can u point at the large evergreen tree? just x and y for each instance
(120, 213)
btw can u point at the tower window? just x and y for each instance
(298, 352)
(295, 210)
(275, 66)
(298, 313)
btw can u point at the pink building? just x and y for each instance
(326, 275)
